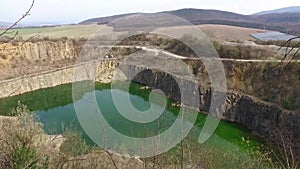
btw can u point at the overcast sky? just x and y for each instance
(74, 11)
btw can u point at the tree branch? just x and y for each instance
(290, 45)
(19, 20)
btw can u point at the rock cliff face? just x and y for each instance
(264, 80)
(246, 81)
(57, 77)
(267, 120)
(26, 58)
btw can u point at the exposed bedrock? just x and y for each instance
(258, 95)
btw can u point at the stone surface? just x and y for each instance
(248, 84)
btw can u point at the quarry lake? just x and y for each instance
(54, 108)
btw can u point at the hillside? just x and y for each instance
(4, 25)
(284, 22)
(192, 15)
(293, 9)
(104, 20)
(202, 14)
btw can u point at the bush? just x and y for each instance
(46, 38)
(21, 141)
(74, 145)
(25, 157)
(3, 56)
(288, 103)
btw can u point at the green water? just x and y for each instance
(54, 107)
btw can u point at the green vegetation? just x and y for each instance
(20, 141)
(25, 157)
(74, 145)
(288, 103)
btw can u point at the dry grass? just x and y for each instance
(229, 33)
(214, 32)
(70, 31)
(219, 32)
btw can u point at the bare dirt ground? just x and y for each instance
(229, 33)
(220, 32)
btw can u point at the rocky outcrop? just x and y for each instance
(266, 120)
(265, 80)
(57, 77)
(244, 80)
(32, 57)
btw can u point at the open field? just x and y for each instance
(70, 31)
(229, 33)
(214, 32)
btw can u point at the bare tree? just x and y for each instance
(12, 34)
(292, 49)
(7, 30)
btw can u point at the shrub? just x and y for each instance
(21, 141)
(288, 103)
(46, 38)
(74, 144)
(3, 56)
(25, 157)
